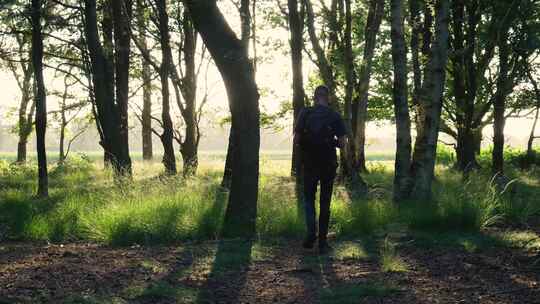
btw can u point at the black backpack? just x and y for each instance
(316, 140)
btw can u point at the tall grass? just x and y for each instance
(86, 205)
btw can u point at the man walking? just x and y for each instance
(318, 132)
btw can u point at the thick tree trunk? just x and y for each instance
(356, 184)
(296, 28)
(41, 101)
(375, 14)
(466, 148)
(167, 137)
(21, 150)
(245, 21)
(499, 106)
(237, 73)
(401, 106)
(122, 11)
(425, 149)
(146, 117)
(464, 88)
(112, 117)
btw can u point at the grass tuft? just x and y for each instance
(390, 260)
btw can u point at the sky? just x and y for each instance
(273, 78)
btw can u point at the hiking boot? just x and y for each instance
(309, 242)
(324, 248)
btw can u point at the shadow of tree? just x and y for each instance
(232, 259)
(228, 274)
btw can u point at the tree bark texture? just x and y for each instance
(111, 115)
(296, 28)
(189, 147)
(530, 141)
(375, 14)
(167, 137)
(40, 97)
(499, 106)
(146, 117)
(236, 70)
(245, 21)
(401, 105)
(425, 149)
(26, 113)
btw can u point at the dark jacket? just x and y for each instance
(315, 119)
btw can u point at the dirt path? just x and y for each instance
(281, 272)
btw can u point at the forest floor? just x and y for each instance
(496, 266)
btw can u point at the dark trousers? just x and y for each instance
(312, 176)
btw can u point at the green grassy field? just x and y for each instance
(157, 239)
(85, 204)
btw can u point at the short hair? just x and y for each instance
(322, 91)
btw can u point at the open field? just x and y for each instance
(157, 240)
(203, 155)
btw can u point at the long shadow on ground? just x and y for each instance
(228, 274)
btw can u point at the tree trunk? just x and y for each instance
(375, 14)
(21, 150)
(112, 116)
(237, 73)
(466, 150)
(422, 52)
(478, 136)
(26, 120)
(190, 145)
(296, 27)
(227, 173)
(401, 105)
(464, 88)
(61, 149)
(499, 106)
(425, 148)
(41, 98)
(357, 186)
(122, 11)
(63, 122)
(323, 65)
(245, 21)
(415, 20)
(167, 137)
(147, 146)
(530, 152)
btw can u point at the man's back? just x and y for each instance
(320, 126)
